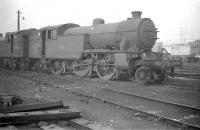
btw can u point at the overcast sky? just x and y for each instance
(177, 20)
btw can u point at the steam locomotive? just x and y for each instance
(107, 50)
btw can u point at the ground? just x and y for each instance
(107, 116)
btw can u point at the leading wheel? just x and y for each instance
(57, 67)
(163, 78)
(82, 68)
(106, 69)
(143, 74)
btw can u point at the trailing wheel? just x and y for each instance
(24, 65)
(143, 74)
(163, 77)
(57, 67)
(106, 69)
(82, 68)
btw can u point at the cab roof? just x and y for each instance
(60, 28)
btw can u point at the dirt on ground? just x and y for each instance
(105, 115)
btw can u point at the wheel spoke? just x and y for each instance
(106, 69)
(143, 74)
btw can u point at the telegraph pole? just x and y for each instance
(18, 20)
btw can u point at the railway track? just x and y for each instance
(193, 86)
(171, 84)
(180, 114)
(184, 86)
(188, 73)
(192, 124)
(173, 112)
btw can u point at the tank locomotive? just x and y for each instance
(108, 50)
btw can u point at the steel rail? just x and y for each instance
(134, 109)
(149, 98)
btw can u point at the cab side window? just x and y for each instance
(49, 34)
(8, 38)
(39, 34)
(54, 34)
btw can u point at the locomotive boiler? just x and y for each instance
(134, 34)
(108, 50)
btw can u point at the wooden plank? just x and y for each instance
(32, 107)
(9, 127)
(52, 127)
(26, 117)
(80, 124)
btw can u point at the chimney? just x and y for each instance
(136, 14)
(98, 21)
